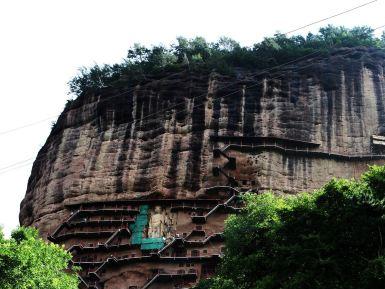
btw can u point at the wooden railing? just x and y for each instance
(307, 152)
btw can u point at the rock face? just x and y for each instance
(137, 181)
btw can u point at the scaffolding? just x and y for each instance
(138, 227)
(137, 232)
(152, 244)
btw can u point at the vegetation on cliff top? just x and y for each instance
(223, 55)
(333, 238)
(27, 262)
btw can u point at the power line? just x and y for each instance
(56, 116)
(180, 103)
(28, 125)
(176, 105)
(15, 168)
(299, 28)
(15, 164)
(379, 27)
(260, 72)
(22, 163)
(40, 157)
(330, 17)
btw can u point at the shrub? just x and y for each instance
(26, 261)
(333, 238)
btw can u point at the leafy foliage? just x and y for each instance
(333, 238)
(223, 55)
(27, 262)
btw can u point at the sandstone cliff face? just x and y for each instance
(153, 140)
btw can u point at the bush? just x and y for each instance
(333, 238)
(27, 262)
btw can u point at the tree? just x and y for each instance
(227, 44)
(138, 53)
(28, 262)
(160, 57)
(222, 56)
(333, 238)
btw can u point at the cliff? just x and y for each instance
(98, 151)
(288, 130)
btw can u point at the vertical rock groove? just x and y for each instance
(171, 151)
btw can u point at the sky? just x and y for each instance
(43, 43)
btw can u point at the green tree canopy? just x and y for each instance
(28, 262)
(223, 55)
(331, 239)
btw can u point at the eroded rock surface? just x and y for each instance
(287, 130)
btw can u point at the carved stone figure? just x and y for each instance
(156, 224)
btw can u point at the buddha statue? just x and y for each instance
(156, 223)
